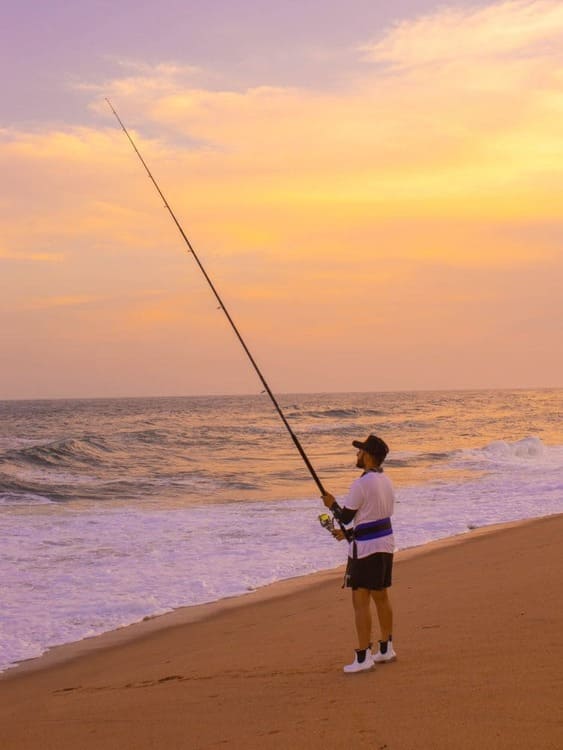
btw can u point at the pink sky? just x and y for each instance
(375, 192)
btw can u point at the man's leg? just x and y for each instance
(361, 603)
(363, 660)
(384, 612)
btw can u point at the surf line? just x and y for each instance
(224, 309)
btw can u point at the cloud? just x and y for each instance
(471, 135)
(127, 300)
(38, 257)
(142, 79)
(462, 124)
(413, 193)
(76, 300)
(492, 31)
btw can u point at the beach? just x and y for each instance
(478, 621)
(103, 501)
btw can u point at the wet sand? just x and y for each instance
(478, 633)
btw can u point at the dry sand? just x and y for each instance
(478, 635)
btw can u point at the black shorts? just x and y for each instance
(372, 572)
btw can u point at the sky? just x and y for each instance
(376, 190)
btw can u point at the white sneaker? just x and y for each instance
(389, 655)
(357, 666)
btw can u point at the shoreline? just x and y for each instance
(67, 652)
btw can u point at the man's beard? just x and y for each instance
(360, 462)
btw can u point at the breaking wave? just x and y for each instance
(86, 450)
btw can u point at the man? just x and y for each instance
(369, 505)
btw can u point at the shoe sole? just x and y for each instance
(359, 671)
(387, 661)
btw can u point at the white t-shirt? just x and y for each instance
(373, 497)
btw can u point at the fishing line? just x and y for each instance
(224, 309)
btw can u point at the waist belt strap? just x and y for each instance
(373, 530)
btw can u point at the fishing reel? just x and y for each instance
(327, 522)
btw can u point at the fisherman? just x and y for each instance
(369, 505)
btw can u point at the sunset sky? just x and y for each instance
(376, 188)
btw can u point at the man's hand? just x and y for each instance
(338, 534)
(328, 499)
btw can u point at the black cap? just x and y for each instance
(374, 445)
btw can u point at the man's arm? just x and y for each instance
(344, 515)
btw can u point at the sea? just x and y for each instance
(114, 510)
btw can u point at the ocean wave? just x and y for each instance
(529, 451)
(22, 498)
(397, 463)
(437, 455)
(499, 454)
(21, 490)
(410, 424)
(150, 437)
(86, 450)
(331, 413)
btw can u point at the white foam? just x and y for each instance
(528, 452)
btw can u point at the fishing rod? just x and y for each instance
(224, 309)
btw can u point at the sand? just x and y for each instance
(478, 635)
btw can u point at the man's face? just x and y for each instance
(360, 459)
